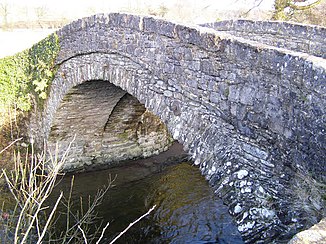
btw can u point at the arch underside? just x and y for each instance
(236, 108)
(102, 126)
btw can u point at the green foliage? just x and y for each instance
(13, 82)
(315, 15)
(28, 74)
(41, 65)
(286, 9)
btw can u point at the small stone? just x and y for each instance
(246, 226)
(237, 209)
(243, 183)
(197, 162)
(261, 189)
(267, 213)
(168, 93)
(242, 173)
(246, 190)
(245, 215)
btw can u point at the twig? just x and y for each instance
(50, 218)
(12, 143)
(131, 224)
(246, 13)
(21, 215)
(102, 234)
(85, 239)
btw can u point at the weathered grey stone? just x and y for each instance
(249, 112)
(159, 26)
(121, 128)
(302, 38)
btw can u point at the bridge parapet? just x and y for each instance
(308, 39)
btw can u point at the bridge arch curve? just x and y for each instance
(249, 114)
(103, 126)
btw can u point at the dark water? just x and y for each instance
(187, 210)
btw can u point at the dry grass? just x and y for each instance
(33, 219)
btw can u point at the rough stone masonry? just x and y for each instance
(246, 99)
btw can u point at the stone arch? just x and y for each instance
(103, 125)
(249, 114)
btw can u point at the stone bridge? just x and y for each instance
(246, 99)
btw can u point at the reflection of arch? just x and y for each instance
(248, 113)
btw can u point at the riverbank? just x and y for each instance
(175, 154)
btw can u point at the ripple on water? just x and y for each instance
(187, 210)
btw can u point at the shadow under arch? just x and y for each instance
(105, 126)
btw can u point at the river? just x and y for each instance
(187, 209)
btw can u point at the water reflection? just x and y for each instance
(187, 209)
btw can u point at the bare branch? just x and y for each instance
(131, 224)
(12, 143)
(84, 236)
(255, 6)
(102, 234)
(50, 218)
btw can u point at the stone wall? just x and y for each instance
(252, 116)
(308, 39)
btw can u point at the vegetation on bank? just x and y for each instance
(286, 9)
(24, 82)
(35, 214)
(28, 74)
(30, 177)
